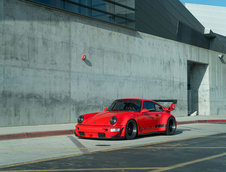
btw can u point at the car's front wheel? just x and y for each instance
(131, 130)
(171, 126)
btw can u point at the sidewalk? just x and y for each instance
(21, 132)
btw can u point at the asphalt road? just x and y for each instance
(204, 153)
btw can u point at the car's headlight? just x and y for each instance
(80, 119)
(113, 120)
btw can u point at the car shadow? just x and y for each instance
(178, 131)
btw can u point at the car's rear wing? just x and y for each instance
(174, 101)
(171, 107)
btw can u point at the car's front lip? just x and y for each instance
(101, 132)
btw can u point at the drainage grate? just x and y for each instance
(103, 145)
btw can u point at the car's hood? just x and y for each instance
(103, 118)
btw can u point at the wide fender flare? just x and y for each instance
(126, 118)
(165, 118)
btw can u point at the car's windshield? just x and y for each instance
(126, 105)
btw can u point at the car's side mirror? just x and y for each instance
(144, 110)
(105, 109)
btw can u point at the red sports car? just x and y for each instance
(128, 118)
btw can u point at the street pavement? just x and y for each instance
(16, 152)
(181, 155)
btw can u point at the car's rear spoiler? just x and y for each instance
(174, 101)
(172, 106)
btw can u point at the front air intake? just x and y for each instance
(101, 134)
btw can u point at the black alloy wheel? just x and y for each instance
(171, 126)
(131, 130)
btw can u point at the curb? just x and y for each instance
(67, 132)
(201, 121)
(35, 134)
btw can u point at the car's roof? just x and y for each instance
(135, 99)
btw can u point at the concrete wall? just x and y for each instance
(217, 69)
(43, 79)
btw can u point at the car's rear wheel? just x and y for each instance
(171, 126)
(131, 130)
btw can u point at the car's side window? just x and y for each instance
(149, 105)
(158, 108)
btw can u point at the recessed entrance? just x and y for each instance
(198, 89)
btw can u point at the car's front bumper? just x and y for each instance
(101, 132)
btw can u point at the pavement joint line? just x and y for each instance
(38, 149)
(106, 150)
(81, 147)
(178, 147)
(87, 148)
(190, 162)
(90, 169)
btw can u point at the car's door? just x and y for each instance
(158, 115)
(147, 120)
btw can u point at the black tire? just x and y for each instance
(171, 126)
(131, 130)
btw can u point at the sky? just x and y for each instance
(206, 2)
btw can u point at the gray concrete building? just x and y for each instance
(43, 79)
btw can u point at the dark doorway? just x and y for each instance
(198, 89)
